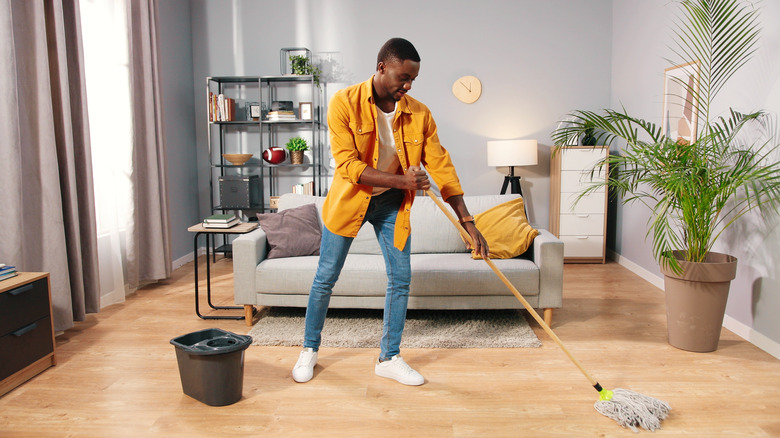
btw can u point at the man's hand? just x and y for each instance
(480, 244)
(416, 179)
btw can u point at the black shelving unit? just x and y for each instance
(245, 134)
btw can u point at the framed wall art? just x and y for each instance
(681, 88)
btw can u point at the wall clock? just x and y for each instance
(467, 89)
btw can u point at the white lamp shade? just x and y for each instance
(511, 153)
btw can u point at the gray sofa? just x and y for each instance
(444, 276)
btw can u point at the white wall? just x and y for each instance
(537, 61)
(639, 44)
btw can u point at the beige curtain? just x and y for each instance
(47, 213)
(149, 241)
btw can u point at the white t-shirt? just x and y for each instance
(388, 158)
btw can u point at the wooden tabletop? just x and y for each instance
(19, 279)
(241, 228)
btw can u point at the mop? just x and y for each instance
(630, 409)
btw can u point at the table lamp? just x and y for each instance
(511, 153)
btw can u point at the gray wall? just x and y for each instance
(179, 120)
(537, 60)
(640, 41)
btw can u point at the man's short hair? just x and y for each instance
(397, 49)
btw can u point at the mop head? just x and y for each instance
(631, 409)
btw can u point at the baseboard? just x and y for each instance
(181, 261)
(743, 331)
(186, 258)
(752, 336)
(646, 275)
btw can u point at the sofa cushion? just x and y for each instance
(432, 275)
(432, 232)
(506, 230)
(364, 243)
(362, 274)
(459, 274)
(293, 232)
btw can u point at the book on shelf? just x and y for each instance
(222, 226)
(275, 116)
(304, 189)
(220, 221)
(7, 272)
(220, 218)
(221, 108)
(7, 276)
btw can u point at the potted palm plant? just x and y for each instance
(695, 189)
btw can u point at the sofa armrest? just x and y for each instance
(248, 251)
(548, 255)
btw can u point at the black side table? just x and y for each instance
(199, 229)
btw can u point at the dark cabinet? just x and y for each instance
(26, 329)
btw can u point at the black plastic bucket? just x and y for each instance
(211, 365)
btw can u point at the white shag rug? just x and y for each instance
(362, 328)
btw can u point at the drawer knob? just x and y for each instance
(24, 330)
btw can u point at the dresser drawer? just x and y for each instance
(581, 158)
(23, 305)
(575, 181)
(24, 345)
(592, 203)
(582, 225)
(583, 246)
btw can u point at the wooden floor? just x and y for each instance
(117, 376)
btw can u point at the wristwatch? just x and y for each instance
(465, 219)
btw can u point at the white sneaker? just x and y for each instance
(396, 368)
(304, 368)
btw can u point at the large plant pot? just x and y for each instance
(696, 301)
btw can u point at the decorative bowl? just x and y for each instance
(237, 159)
(274, 155)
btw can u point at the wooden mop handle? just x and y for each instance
(511, 287)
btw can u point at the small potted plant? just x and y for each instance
(296, 146)
(301, 65)
(589, 129)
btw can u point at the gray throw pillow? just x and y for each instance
(293, 232)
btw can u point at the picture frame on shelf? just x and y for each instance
(305, 110)
(680, 114)
(253, 111)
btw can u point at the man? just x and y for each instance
(379, 138)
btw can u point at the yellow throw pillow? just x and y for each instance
(506, 230)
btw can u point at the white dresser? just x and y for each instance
(583, 227)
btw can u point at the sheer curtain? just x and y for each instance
(108, 89)
(128, 151)
(45, 170)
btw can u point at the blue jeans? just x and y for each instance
(381, 213)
